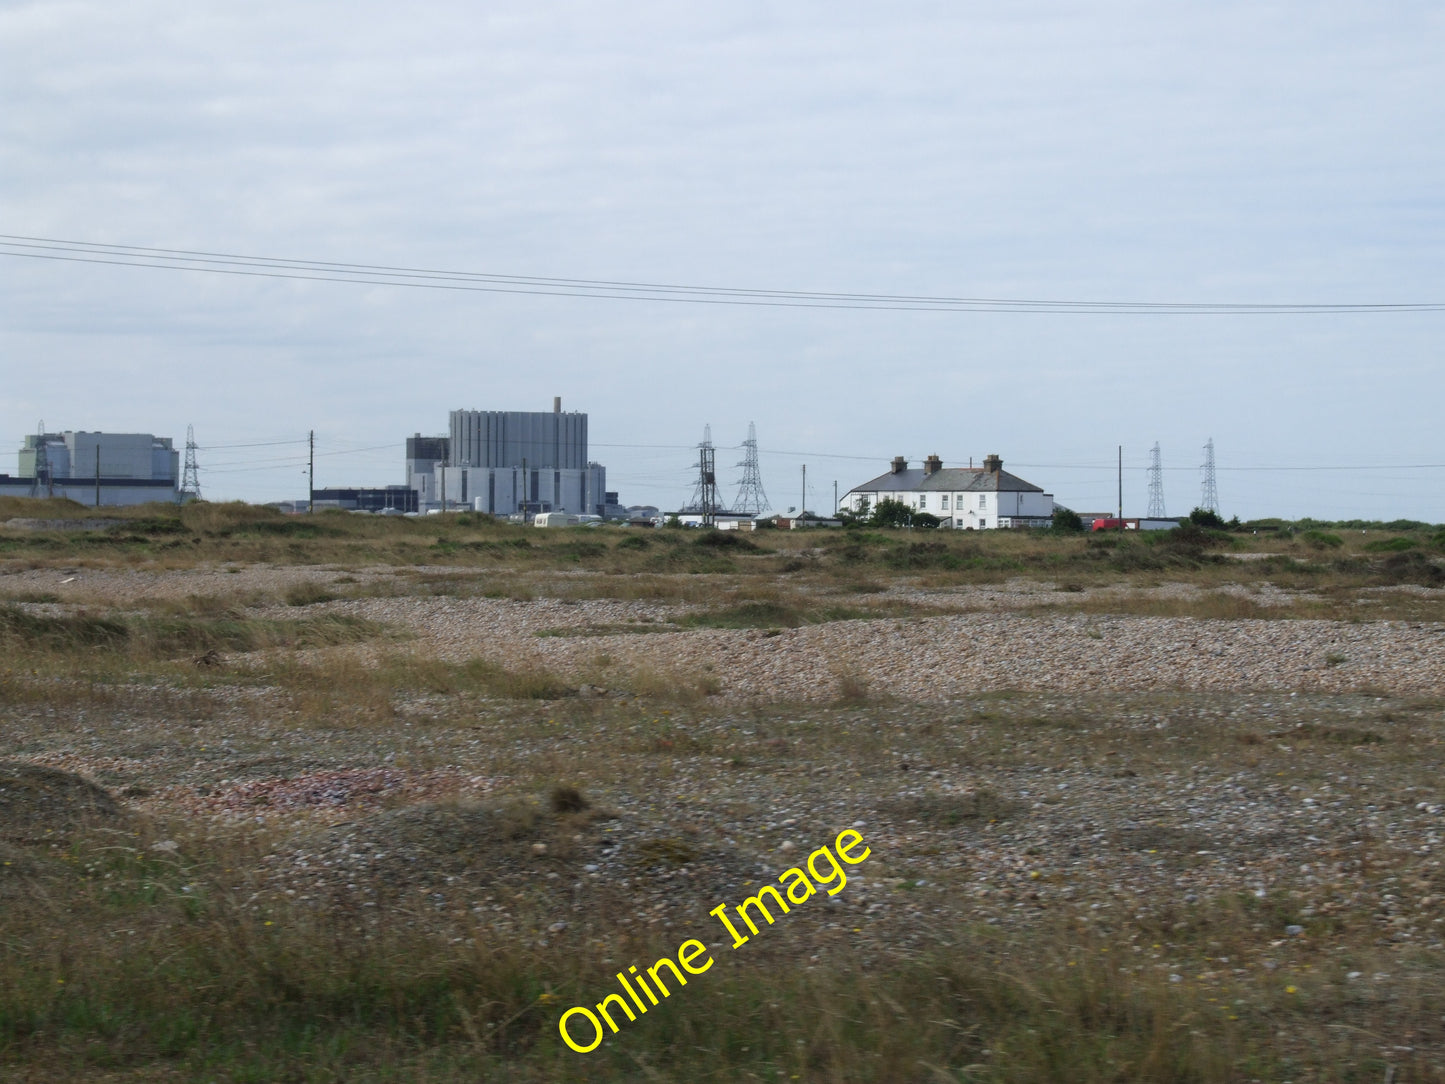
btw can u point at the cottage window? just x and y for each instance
(945, 502)
(923, 500)
(983, 500)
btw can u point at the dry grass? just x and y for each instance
(126, 961)
(121, 956)
(110, 939)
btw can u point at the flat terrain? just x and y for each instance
(353, 799)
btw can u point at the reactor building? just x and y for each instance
(508, 462)
(97, 468)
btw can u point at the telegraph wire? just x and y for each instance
(254, 444)
(1195, 470)
(49, 248)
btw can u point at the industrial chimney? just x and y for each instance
(556, 404)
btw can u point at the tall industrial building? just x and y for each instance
(423, 456)
(97, 468)
(509, 461)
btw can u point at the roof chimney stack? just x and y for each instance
(899, 464)
(992, 463)
(556, 404)
(931, 464)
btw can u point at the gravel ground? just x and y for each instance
(933, 658)
(1008, 766)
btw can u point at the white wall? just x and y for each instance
(980, 511)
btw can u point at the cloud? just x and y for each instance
(1191, 152)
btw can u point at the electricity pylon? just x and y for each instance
(191, 476)
(1209, 499)
(1156, 484)
(704, 494)
(750, 497)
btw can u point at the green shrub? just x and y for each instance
(1397, 544)
(724, 540)
(1067, 521)
(923, 555)
(1322, 540)
(1411, 567)
(474, 519)
(1189, 539)
(894, 513)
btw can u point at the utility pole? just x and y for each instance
(1121, 487)
(835, 496)
(97, 472)
(311, 473)
(803, 508)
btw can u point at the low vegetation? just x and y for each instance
(248, 834)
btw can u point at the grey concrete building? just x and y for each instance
(506, 462)
(96, 468)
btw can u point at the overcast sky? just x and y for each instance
(1219, 153)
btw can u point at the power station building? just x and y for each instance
(97, 468)
(506, 462)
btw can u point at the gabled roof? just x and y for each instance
(948, 480)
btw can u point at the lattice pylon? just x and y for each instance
(1156, 484)
(1209, 496)
(191, 475)
(750, 496)
(704, 494)
(44, 485)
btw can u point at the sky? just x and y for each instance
(1200, 170)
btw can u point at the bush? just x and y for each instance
(1067, 521)
(1322, 540)
(920, 555)
(1390, 545)
(1204, 517)
(475, 519)
(568, 800)
(894, 513)
(890, 513)
(1189, 540)
(1412, 568)
(723, 540)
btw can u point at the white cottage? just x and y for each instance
(965, 497)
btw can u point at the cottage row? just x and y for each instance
(981, 498)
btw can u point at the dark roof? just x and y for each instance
(948, 480)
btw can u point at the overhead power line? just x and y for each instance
(226, 263)
(253, 444)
